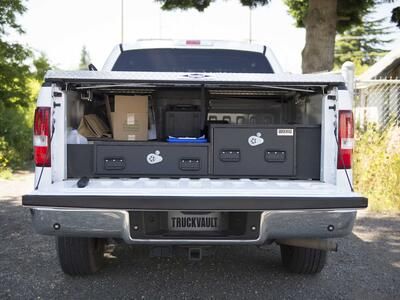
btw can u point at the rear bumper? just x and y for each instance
(288, 209)
(114, 223)
(232, 203)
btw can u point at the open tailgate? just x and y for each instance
(195, 194)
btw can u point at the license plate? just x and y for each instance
(179, 221)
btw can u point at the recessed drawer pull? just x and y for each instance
(114, 163)
(229, 155)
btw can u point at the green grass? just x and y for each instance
(376, 167)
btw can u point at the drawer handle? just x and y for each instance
(229, 155)
(115, 163)
(275, 156)
(190, 164)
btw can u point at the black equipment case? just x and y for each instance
(183, 121)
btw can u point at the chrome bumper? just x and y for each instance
(275, 224)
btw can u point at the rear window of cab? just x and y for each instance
(192, 60)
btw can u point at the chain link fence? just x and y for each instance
(377, 102)
(376, 156)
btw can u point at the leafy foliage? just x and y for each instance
(349, 12)
(362, 44)
(14, 72)
(41, 65)
(18, 88)
(201, 5)
(376, 167)
(9, 9)
(13, 69)
(16, 132)
(396, 16)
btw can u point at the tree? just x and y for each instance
(348, 14)
(18, 89)
(321, 19)
(396, 16)
(85, 59)
(8, 12)
(362, 44)
(13, 67)
(41, 65)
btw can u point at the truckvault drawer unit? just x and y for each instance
(151, 159)
(264, 151)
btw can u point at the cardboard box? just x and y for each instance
(129, 121)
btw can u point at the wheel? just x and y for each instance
(303, 260)
(80, 256)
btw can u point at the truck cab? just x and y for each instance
(197, 144)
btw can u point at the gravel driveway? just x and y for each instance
(367, 266)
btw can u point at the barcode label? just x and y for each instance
(284, 131)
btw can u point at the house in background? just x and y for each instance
(387, 67)
(378, 92)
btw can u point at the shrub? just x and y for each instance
(377, 167)
(16, 133)
(15, 137)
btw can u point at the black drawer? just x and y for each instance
(254, 151)
(151, 159)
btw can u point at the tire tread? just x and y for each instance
(303, 260)
(80, 256)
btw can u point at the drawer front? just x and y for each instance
(151, 160)
(254, 151)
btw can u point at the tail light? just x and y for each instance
(345, 139)
(41, 137)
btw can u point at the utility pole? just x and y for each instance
(250, 24)
(160, 24)
(122, 21)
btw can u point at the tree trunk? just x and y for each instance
(320, 24)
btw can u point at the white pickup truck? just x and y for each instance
(236, 152)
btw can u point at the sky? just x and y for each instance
(60, 28)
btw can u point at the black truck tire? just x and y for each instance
(80, 256)
(303, 260)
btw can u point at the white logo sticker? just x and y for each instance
(256, 140)
(284, 132)
(154, 158)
